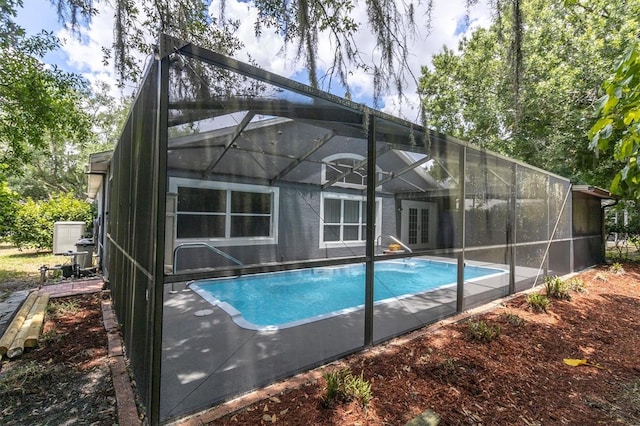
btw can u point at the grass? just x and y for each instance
(63, 308)
(24, 265)
(19, 379)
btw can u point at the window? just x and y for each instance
(218, 211)
(335, 165)
(344, 220)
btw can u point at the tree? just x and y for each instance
(8, 209)
(470, 93)
(619, 122)
(302, 23)
(37, 102)
(59, 167)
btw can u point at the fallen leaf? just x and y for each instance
(574, 362)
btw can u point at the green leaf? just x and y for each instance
(611, 103)
(615, 184)
(600, 103)
(631, 116)
(624, 173)
(594, 144)
(600, 124)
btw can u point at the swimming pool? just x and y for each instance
(286, 299)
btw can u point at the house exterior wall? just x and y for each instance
(298, 236)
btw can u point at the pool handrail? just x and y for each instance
(208, 246)
(404, 246)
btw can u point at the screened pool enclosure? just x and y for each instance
(233, 180)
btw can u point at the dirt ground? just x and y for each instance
(66, 380)
(517, 378)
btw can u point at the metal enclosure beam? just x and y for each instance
(230, 140)
(371, 231)
(156, 292)
(462, 211)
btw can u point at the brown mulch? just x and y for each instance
(517, 378)
(67, 379)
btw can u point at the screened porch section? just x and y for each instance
(259, 228)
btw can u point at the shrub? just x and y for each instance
(8, 209)
(576, 284)
(343, 386)
(483, 332)
(358, 388)
(556, 288)
(538, 302)
(616, 268)
(335, 385)
(512, 319)
(33, 225)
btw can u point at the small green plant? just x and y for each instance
(483, 332)
(63, 307)
(358, 388)
(616, 268)
(343, 386)
(576, 284)
(335, 385)
(512, 319)
(52, 336)
(538, 302)
(601, 276)
(448, 365)
(556, 288)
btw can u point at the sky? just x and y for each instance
(84, 56)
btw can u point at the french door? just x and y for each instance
(418, 226)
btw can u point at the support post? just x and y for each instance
(461, 211)
(371, 230)
(511, 229)
(160, 216)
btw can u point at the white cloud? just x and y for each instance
(270, 52)
(267, 49)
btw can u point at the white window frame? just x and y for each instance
(175, 183)
(363, 220)
(343, 156)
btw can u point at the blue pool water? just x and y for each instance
(292, 297)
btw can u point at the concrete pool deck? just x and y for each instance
(208, 359)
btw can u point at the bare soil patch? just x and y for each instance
(517, 378)
(66, 380)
